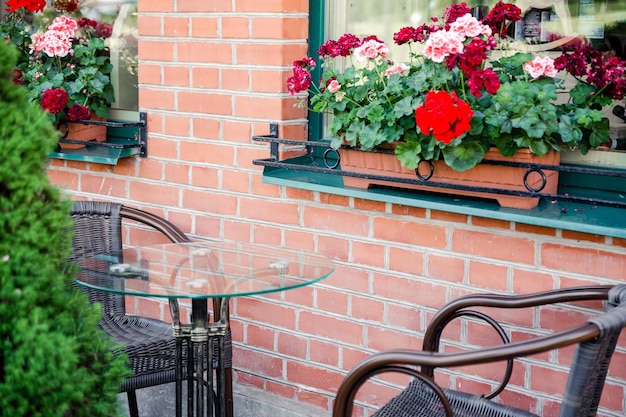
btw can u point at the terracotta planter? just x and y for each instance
(483, 175)
(82, 132)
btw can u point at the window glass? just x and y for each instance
(547, 25)
(122, 15)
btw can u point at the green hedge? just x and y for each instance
(53, 359)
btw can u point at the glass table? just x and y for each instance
(201, 271)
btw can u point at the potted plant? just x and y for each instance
(63, 63)
(465, 96)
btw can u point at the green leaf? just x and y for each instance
(463, 156)
(581, 93)
(408, 153)
(369, 136)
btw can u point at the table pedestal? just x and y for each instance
(201, 337)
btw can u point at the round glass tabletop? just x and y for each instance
(207, 269)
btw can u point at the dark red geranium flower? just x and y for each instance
(483, 79)
(500, 15)
(54, 100)
(78, 112)
(404, 35)
(84, 22)
(18, 77)
(454, 12)
(300, 79)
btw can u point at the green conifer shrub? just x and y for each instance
(54, 361)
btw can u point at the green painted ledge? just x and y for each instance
(574, 216)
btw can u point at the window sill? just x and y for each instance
(124, 139)
(303, 172)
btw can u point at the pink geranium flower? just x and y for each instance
(441, 44)
(371, 49)
(541, 66)
(468, 27)
(399, 68)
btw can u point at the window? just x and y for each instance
(574, 208)
(545, 26)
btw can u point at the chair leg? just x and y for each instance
(228, 377)
(132, 403)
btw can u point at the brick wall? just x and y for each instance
(212, 75)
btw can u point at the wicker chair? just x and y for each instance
(149, 344)
(594, 343)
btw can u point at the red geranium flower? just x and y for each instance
(33, 6)
(445, 115)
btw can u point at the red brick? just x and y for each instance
(177, 173)
(409, 290)
(280, 28)
(537, 230)
(237, 80)
(530, 281)
(266, 312)
(332, 301)
(371, 254)
(153, 50)
(312, 376)
(204, 102)
(204, 27)
(260, 336)
(270, 81)
(330, 327)
(490, 245)
(203, 6)
(149, 74)
(325, 353)
(258, 362)
(156, 99)
(237, 231)
(380, 339)
(208, 202)
(149, 25)
(155, 6)
(446, 268)
(281, 6)
(277, 211)
(410, 261)
(488, 275)
(235, 27)
(154, 193)
(366, 309)
(269, 54)
(584, 260)
(337, 221)
(204, 52)
(409, 317)
(292, 344)
(175, 76)
(448, 217)
(175, 27)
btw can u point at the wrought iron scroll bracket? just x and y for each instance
(141, 137)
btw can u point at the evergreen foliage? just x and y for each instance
(54, 361)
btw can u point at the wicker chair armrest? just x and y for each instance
(394, 360)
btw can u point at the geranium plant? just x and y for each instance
(463, 91)
(64, 59)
